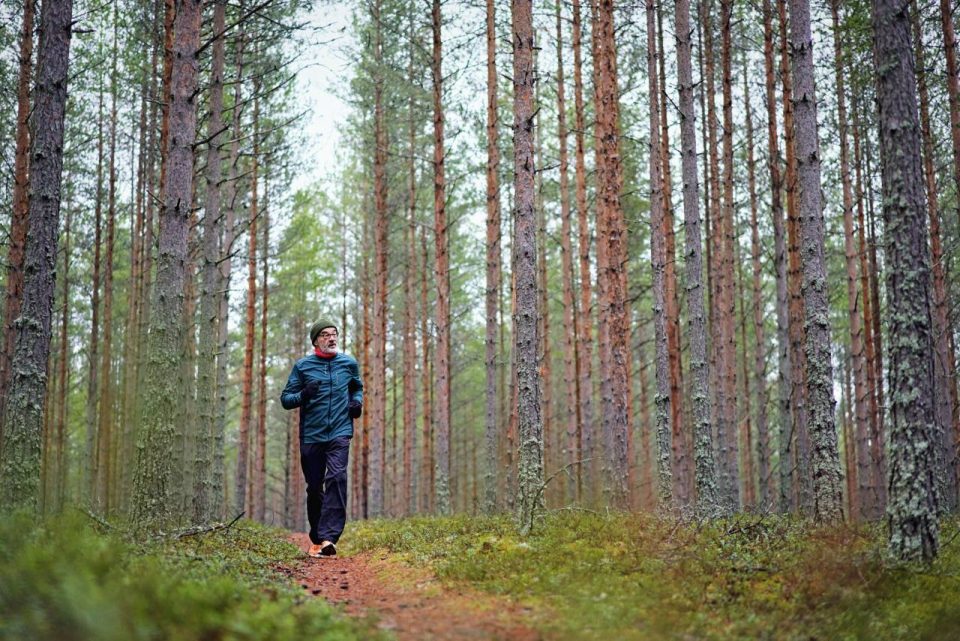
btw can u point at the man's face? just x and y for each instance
(327, 340)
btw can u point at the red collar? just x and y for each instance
(317, 351)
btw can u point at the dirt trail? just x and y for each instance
(410, 602)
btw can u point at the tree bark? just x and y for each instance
(680, 438)
(784, 366)
(410, 304)
(666, 461)
(611, 259)
(858, 366)
(827, 489)
(526, 343)
(871, 483)
(212, 225)
(21, 204)
(154, 500)
(242, 478)
(728, 450)
(22, 423)
(953, 88)
(585, 344)
(945, 397)
(705, 463)
(571, 319)
(912, 512)
(800, 435)
(442, 259)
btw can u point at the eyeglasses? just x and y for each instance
(329, 334)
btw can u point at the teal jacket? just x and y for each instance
(324, 417)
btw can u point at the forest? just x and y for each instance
(653, 305)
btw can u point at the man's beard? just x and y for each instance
(329, 349)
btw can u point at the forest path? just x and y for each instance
(409, 601)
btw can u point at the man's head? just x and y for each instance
(324, 336)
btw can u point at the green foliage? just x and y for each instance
(639, 577)
(63, 580)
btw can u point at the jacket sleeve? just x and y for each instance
(355, 386)
(290, 396)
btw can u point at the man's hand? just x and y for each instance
(354, 409)
(309, 390)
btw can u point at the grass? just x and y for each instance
(62, 579)
(634, 576)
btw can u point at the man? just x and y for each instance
(326, 386)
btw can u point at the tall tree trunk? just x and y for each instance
(21, 204)
(784, 365)
(203, 509)
(912, 513)
(869, 488)
(858, 365)
(585, 344)
(410, 468)
(105, 424)
(93, 350)
(442, 258)
(705, 464)
(428, 484)
(260, 442)
(60, 489)
(680, 437)
(378, 371)
(947, 9)
(242, 479)
(225, 270)
(545, 376)
(22, 423)
(802, 485)
(611, 270)
(878, 438)
(828, 495)
(759, 333)
(571, 319)
(526, 343)
(666, 460)
(748, 478)
(726, 312)
(945, 389)
(492, 297)
(154, 500)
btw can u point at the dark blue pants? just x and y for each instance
(325, 471)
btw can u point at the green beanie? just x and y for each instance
(318, 327)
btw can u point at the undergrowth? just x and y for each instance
(62, 579)
(634, 576)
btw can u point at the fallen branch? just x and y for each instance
(194, 531)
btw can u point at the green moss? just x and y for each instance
(638, 577)
(63, 580)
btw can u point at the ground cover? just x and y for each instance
(606, 576)
(70, 579)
